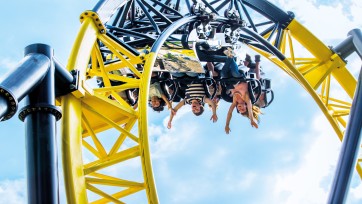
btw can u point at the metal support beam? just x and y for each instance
(40, 115)
(3, 107)
(349, 151)
(357, 40)
(353, 43)
(65, 82)
(61, 73)
(17, 83)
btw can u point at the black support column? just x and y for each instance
(40, 115)
(349, 152)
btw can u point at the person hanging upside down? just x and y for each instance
(157, 99)
(242, 103)
(240, 95)
(196, 97)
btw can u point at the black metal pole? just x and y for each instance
(17, 83)
(349, 151)
(352, 43)
(3, 106)
(357, 40)
(65, 82)
(345, 48)
(40, 115)
(62, 76)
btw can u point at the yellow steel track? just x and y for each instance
(89, 112)
(317, 70)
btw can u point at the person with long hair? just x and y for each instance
(242, 103)
(240, 96)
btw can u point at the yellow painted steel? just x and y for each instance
(119, 195)
(323, 54)
(71, 128)
(143, 129)
(90, 111)
(109, 161)
(103, 194)
(72, 150)
(83, 44)
(315, 72)
(114, 182)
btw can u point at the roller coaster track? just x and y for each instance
(111, 38)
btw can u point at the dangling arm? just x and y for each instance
(213, 106)
(250, 111)
(173, 112)
(169, 106)
(228, 118)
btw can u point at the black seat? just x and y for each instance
(166, 83)
(254, 88)
(269, 94)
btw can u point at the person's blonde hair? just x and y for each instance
(256, 112)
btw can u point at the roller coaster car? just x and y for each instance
(178, 67)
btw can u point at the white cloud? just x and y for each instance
(214, 159)
(172, 141)
(356, 192)
(331, 17)
(276, 134)
(356, 7)
(246, 181)
(155, 130)
(185, 190)
(6, 64)
(13, 191)
(310, 182)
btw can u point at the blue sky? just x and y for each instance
(290, 159)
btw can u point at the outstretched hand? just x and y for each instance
(254, 124)
(213, 118)
(169, 125)
(227, 129)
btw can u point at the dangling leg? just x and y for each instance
(225, 72)
(234, 69)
